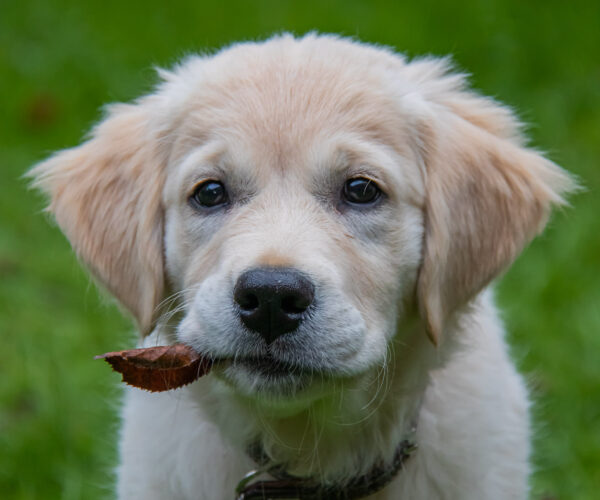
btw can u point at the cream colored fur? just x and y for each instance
(404, 331)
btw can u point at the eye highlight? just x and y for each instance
(209, 194)
(361, 191)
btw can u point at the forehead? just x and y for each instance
(281, 104)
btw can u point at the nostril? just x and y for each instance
(295, 304)
(247, 301)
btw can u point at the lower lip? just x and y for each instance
(268, 367)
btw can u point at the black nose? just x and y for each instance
(272, 301)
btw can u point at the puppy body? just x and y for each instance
(244, 161)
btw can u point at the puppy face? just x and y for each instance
(315, 188)
(298, 196)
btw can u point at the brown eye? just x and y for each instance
(209, 194)
(361, 191)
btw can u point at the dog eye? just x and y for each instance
(361, 191)
(209, 194)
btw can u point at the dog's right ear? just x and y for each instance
(106, 197)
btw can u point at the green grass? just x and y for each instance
(61, 61)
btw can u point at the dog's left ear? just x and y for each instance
(487, 196)
(106, 197)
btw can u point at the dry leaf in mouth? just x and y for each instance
(157, 369)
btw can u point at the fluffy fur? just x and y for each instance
(403, 329)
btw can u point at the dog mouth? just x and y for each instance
(267, 377)
(270, 367)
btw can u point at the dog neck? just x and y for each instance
(286, 486)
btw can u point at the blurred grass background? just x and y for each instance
(60, 61)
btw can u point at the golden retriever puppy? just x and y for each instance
(324, 219)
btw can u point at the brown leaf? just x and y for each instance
(158, 369)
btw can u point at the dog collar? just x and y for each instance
(286, 486)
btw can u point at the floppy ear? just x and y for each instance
(106, 197)
(486, 198)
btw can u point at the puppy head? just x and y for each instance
(295, 194)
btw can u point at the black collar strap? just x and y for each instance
(285, 486)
